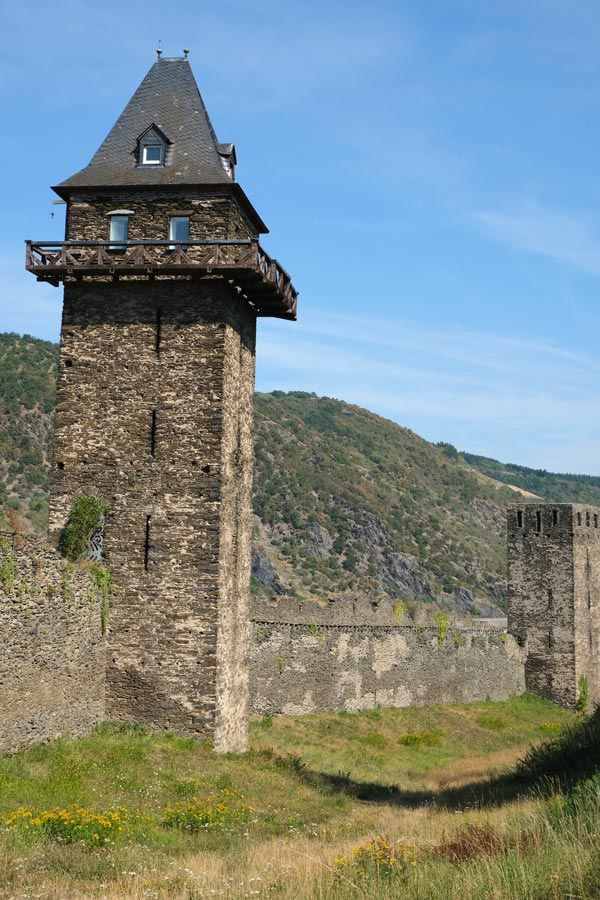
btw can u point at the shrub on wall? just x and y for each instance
(442, 623)
(86, 517)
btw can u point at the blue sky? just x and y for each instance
(428, 172)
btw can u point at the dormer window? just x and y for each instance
(153, 148)
(152, 155)
(228, 158)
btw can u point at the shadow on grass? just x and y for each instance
(573, 756)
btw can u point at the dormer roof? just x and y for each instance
(167, 104)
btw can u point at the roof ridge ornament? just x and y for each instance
(159, 49)
(185, 53)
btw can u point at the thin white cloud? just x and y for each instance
(559, 236)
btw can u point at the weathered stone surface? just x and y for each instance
(154, 417)
(52, 651)
(553, 597)
(307, 668)
(212, 217)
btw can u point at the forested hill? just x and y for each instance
(347, 504)
(27, 388)
(549, 485)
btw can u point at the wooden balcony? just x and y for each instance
(265, 283)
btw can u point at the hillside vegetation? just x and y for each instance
(352, 503)
(27, 388)
(348, 505)
(552, 487)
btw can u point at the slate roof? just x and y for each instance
(167, 98)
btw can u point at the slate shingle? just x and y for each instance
(168, 98)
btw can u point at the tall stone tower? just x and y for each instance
(554, 598)
(163, 281)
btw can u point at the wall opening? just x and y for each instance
(147, 543)
(538, 521)
(158, 330)
(550, 599)
(579, 518)
(555, 517)
(153, 433)
(519, 518)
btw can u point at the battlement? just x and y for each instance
(552, 519)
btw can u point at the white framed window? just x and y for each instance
(179, 230)
(119, 231)
(152, 155)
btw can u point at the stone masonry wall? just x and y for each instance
(153, 415)
(540, 597)
(233, 634)
(52, 650)
(553, 596)
(586, 553)
(211, 217)
(297, 669)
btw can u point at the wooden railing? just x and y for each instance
(264, 281)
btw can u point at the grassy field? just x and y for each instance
(419, 803)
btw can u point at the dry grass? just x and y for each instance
(306, 812)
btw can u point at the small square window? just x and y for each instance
(152, 155)
(179, 230)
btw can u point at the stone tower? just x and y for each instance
(554, 598)
(163, 281)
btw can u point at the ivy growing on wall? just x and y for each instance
(582, 699)
(103, 581)
(86, 518)
(8, 564)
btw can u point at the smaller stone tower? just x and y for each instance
(553, 597)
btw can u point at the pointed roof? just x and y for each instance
(167, 100)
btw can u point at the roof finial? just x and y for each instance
(185, 53)
(159, 50)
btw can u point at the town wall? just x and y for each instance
(52, 647)
(307, 668)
